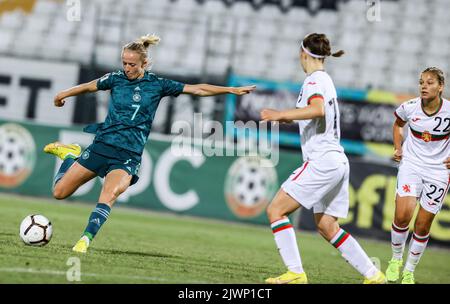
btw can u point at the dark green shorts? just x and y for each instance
(102, 158)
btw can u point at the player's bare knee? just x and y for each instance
(273, 213)
(401, 222)
(59, 193)
(421, 228)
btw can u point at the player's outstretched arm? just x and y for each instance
(314, 110)
(397, 133)
(211, 90)
(74, 91)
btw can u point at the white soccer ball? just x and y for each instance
(36, 230)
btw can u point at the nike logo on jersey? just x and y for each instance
(415, 119)
(311, 83)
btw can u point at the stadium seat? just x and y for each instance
(213, 8)
(36, 24)
(217, 65)
(405, 63)
(220, 44)
(241, 10)
(12, 20)
(350, 41)
(380, 41)
(6, 39)
(375, 59)
(266, 40)
(269, 11)
(296, 15)
(404, 82)
(409, 43)
(108, 56)
(62, 27)
(81, 50)
(26, 44)
(56, 47)
(45, 8)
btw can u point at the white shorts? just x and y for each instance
(429, 186)
(322, 185)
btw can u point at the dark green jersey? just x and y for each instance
(132, 108)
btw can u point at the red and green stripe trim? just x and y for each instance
(434, 137)
(282, 226)
(398, 229)
(317, 95)
(421, 239)
(341, 239)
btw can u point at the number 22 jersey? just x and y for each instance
(427, 142)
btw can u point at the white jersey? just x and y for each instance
(319, 136)
(427, 142)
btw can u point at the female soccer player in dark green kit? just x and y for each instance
(116, 151)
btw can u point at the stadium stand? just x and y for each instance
(205, 38)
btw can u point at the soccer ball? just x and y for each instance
(36, 230)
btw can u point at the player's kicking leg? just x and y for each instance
(71, 175)
(284, 234)
(116, 182)
(350, 249)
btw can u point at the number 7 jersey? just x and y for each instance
(132, 108)
(427, 142)
(319, 136)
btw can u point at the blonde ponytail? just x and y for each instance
(149, 40)
(142, 44)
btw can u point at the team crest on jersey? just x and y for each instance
(137, 95)
(407, 188)
(426, 136)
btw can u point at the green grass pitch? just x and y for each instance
(137, 246)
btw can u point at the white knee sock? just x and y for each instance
(398, 240)
(284, 235)
(353, 253)
(417, 246)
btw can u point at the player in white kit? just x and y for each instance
(322, 181)
(422, 173)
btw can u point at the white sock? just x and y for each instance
(398, 240)
(417, 246)
(86, 239)
(353, 253)
(284, 235)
